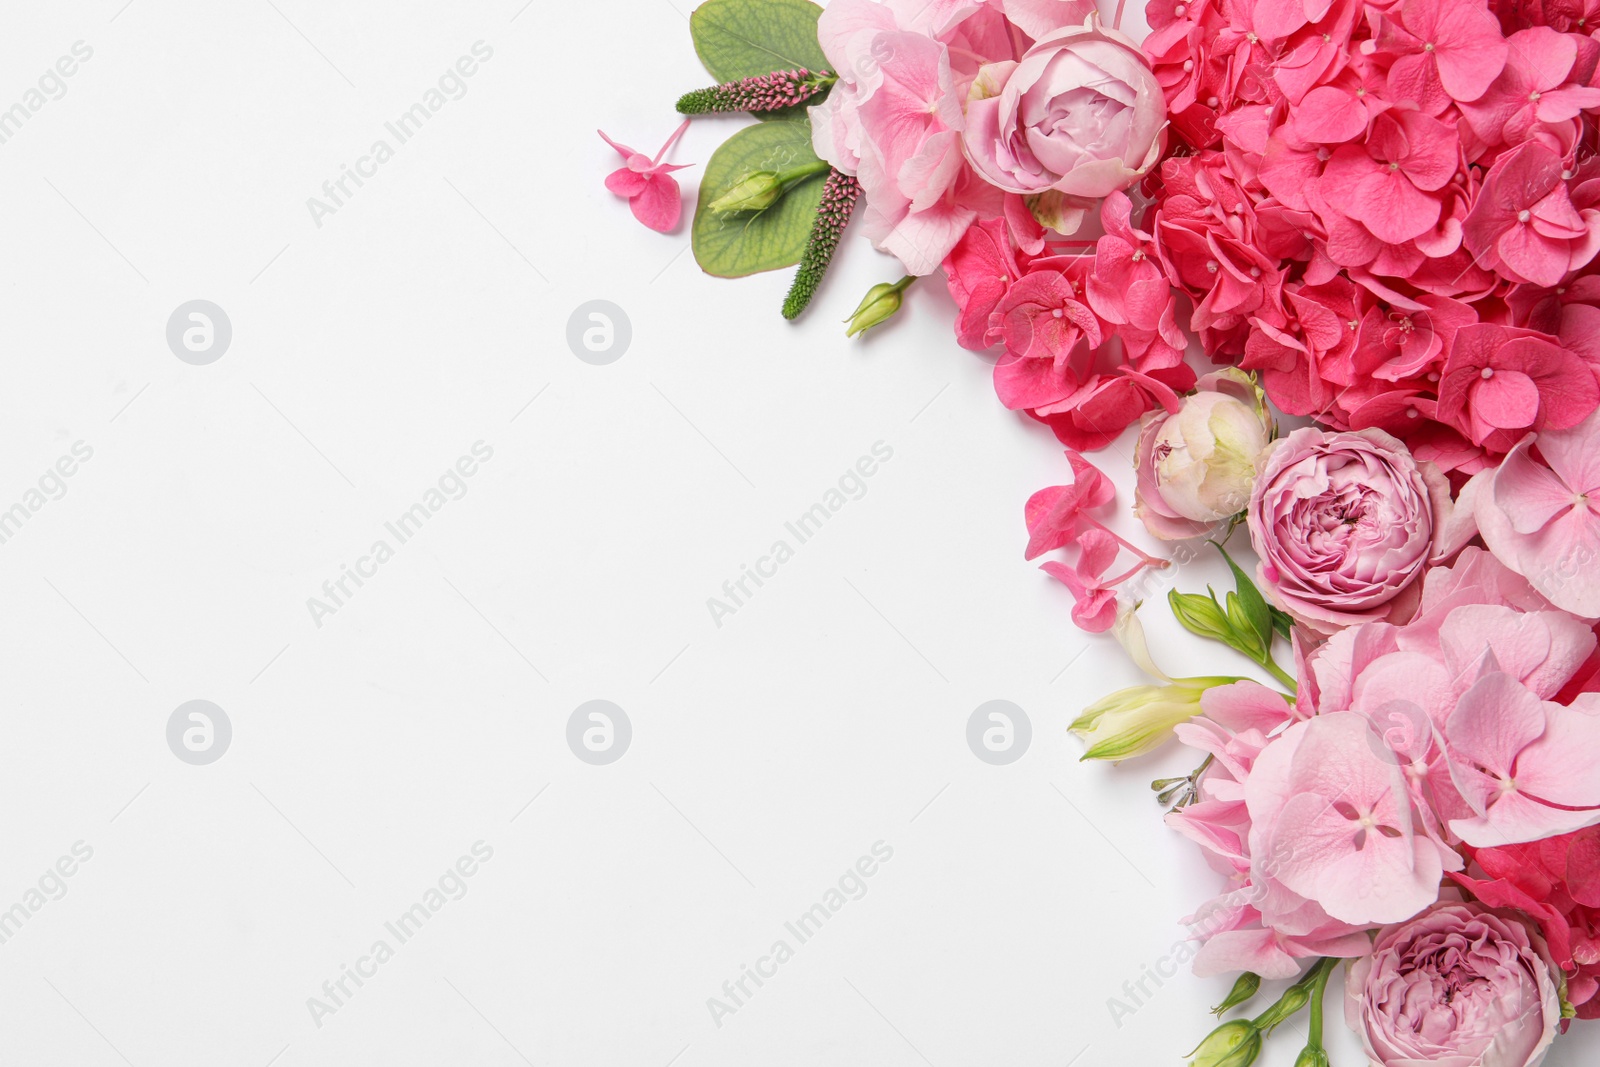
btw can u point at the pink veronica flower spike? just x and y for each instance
(648, 184)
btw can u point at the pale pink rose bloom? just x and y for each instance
(1459, 986)
(894, 120)
(1344, 524)
(1080, 114)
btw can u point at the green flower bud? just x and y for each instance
(764, 188)
(1233, 1044)
(1312, 1057)
(756, 193)
(1136, 720)
(1200, 615)
(879, 305)
(1294, 998)
(1243, 989)
(1245, 636)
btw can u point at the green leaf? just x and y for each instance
(732, 246)
(1283, 622)
(1253, 606)
(1244, 635)
(742, 38)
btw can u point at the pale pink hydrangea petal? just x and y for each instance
(1530, 493)
(1530, 768)
(1560, 555)
(1541, 649)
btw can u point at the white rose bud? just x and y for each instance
(1197, 467)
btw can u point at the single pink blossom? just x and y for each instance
(1043, 316)
(1453, 47)
(1388, 184)
(1458, 986)
(1080, 114)
(1541, 514)
(980, 270)
(1095, 607)
(648, 184)
(1055, 516)
(1500, 382)
(1524, 225)
(1343, 524)
(1334, 819)
(1534, 87)
(1529, 768)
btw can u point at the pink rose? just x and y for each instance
(1344, 526)
(1459, 986)
(1081, 114)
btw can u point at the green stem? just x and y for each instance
(795, 175)
(1284, 677)
(1317, 988)
(1295, 997)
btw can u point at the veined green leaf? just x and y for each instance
(734, 245)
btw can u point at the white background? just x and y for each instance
(371, 752)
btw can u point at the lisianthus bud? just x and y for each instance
(1247, 985)
(1233, 1044)
(1133, 721)
(761, 190)
(1294, 998)
(879, 305)
(1312, 1057)
(1197, 467)
(756, 193)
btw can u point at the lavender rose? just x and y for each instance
(1458, 986)
(1080, 114)
(1196, 467)
(1344, 525)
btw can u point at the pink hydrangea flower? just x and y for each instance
(1501, 382)
(1095, 598)
(1043, 317)
(1387, 182)
(1335, 820)
(651, 190)
(980, 271)
(1448, 50)
(894, 120)
(1057, 516)
(1524, 224)
(1541, 514)
(1528, 768)
(1532, 89)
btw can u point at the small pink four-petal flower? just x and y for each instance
(648, 184)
